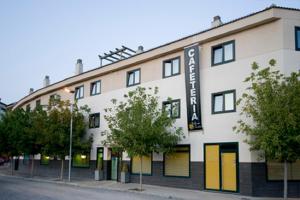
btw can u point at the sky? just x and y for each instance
(39, 38)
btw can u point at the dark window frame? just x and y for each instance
(128, 74)
(189, 151)
(90, 117)
(213, 95)
(28, 108)
(37, 103)
(276, 180)
(144, 174)
(78, 88)
(213, 48)
(91, 88)
(297, 48)
(170, 60)
(98, 148)
(164, 103)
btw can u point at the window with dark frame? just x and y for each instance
(94, 120)
(297, 38)
(275, 170)
(177, 163)
(172, 107)
(79, 92)
(95, 88)
(223, 102)
(223, 53)
(171, 67)
(37, 103)
(28, 108)
(133, 77)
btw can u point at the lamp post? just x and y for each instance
(71, 133)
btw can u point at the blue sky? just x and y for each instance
(39, 38)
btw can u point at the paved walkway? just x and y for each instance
(166, 192)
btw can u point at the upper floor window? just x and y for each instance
(133, 77)
(37, 103)
(94, 120)
(95, 88)
(171, 67)
(172, 107)
(54, 97)
(223, 102)
(79, 92)
(297, 38)
(223, 53)
(28, 108)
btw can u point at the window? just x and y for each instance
(223, 53)
(79, 92)
(28, 108)
(95, 88)
(223, 102)
(54, 97)
(81, 160)
(44, 160)
(275, 170)
(37, 103)
(171, 67)
(177, 163)
(297, 38)
(94, 120)
(172, 107)
(133, 77)
(136, 164)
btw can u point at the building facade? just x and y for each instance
(2, 109)
(203, 74)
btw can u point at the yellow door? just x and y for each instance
(212, 167)
(229, 171)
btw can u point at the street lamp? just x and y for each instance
(71, 132)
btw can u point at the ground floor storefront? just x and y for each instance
(220, 171)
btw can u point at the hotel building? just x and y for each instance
(203, 73)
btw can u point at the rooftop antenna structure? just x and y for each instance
(117, 55)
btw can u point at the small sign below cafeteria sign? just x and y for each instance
(192, 84)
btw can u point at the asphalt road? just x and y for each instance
(18, 189)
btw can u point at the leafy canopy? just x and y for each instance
(271, 106)
(138, 126)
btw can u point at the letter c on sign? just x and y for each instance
(191, 52)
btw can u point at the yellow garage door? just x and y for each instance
(136, 165)
(229, 171)
(212, 167)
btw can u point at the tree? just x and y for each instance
(57, 139)
(139, 127)
(12, 129)
(271, 107)
(35, 130)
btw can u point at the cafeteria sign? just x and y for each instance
(192, 83)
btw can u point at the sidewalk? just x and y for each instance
(166, 192)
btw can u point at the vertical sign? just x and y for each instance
(192, 83)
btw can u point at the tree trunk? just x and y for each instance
(141, 173)
(62, 169)
(285, 185)
(12, 165)
(32, 166)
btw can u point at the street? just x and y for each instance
(19, 189)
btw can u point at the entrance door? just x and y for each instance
(221, 166)
(114, 167)
(229, 171)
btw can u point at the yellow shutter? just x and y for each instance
(295, 170)
(229, 171)
(177, 164)
(135, 165)
(212, 167)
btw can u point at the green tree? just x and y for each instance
(35, 130)
(12, 129)
(139, 127)
(271, 111)
(57, 139)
